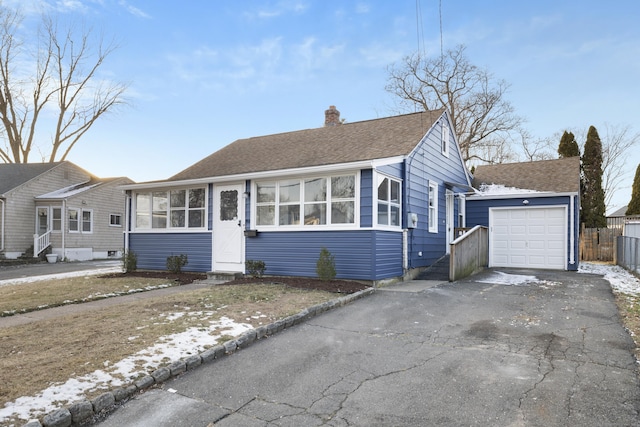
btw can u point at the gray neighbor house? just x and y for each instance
(384, 196)
(62, 209)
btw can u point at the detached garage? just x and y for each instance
(532, 213)
(528, 237)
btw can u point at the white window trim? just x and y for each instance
(298, 227)
(462, 210)
(169, 229)
(81, 220)
(78, 220)
(445, 142)
(375, 202)
(111, 216)
(432, 209)
(53, 208)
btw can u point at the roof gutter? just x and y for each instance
(480, 196)
(266, 174)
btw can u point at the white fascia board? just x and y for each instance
(475, 196)
(265, 174)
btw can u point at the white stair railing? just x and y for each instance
(40, 243)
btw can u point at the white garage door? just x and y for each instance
(532, 237)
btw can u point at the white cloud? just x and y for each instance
(363, 8)
(279, 9)
(134, 10)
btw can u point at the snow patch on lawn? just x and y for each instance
(620, 279)
(168, 349)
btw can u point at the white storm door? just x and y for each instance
(228, 229)
(449, 226)
(42, 220)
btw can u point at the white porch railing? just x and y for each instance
(40, 243)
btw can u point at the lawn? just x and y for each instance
(39, 355)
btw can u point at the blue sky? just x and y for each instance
(204, 73)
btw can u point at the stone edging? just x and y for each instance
(83, 411)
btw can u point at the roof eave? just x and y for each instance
(375, 163)
(477, 196)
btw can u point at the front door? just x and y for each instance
(449, 219)
(228, 229)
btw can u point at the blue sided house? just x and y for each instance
(383, 196)
(532, 212)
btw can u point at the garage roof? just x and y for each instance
(559, 175)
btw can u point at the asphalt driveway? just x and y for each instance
(505, 348)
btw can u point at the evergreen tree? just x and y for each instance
(568, 146)
(592, 194)
(634, 205)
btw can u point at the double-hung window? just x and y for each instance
(316, 201)
(389, 201)
(187, 208)
(74, 220)
(56, 219)
(433, 207)
(289, 202)
(80, 220)
(181, 208)
(87, 221)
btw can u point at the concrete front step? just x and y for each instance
(224, 275)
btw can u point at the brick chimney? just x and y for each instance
(332, 116)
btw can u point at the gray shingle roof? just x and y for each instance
(13, 175)
(560, 175)
(349, 142)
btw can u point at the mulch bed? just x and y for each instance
(335, 286)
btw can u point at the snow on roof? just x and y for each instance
(500, 190)
(72, 190)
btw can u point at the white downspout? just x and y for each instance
(127, 210)
(63, 220)
(2, 227)
(572, 237)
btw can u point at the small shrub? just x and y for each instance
(129, 261)
(326, 265)
(255, 268)
(176, 262)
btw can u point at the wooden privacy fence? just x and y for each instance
(598, 244)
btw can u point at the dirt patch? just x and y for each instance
(182, 278)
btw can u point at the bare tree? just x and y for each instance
(617, 142)
(616, 146)
(480, 114)
(60, 91)
(533, 148)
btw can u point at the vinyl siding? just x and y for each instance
(20, 209)
(427, 163)
(104, 200)
(366, 198)
(153, 249)
(359, 255)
